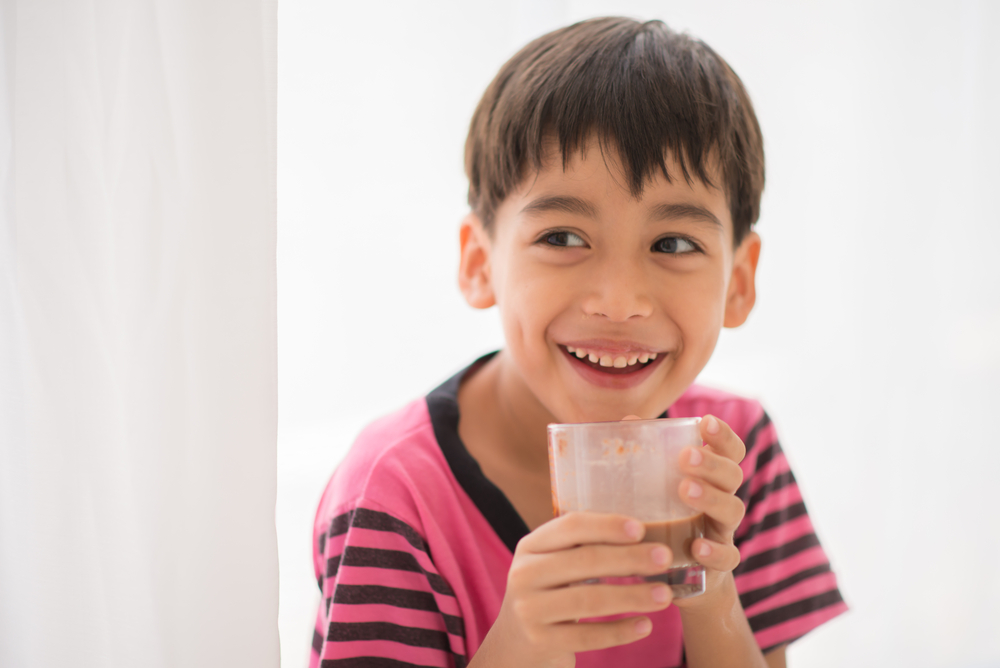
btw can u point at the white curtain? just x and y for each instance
(138, 392)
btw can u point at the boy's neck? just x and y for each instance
(503, 417)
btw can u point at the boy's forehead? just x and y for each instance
(596, 152)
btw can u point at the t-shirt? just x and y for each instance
(412, 544)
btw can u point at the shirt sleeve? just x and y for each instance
(384, 604)
(784, 578)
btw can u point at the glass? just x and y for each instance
(631, 467)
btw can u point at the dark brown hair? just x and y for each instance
(641, 89)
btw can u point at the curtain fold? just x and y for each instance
(138, 386)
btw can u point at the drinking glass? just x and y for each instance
(631, 467)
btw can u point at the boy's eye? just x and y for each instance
(674, 245)
(564, 239)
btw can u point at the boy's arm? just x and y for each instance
(718, 634)
(773, 572)
(776, 658)
(716, 631)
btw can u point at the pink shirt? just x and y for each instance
(412, 544)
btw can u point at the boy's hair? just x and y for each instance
(639, 88)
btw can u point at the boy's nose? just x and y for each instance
(618, 294)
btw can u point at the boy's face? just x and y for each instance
(580, 268)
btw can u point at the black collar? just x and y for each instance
(442, 404)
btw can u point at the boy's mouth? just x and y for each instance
(617, 364)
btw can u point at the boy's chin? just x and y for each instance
(581, 413)
(646, 405)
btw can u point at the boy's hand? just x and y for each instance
(538, 621)
(713, 476)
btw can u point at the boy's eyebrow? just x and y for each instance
(561, 203)
(677, 211)
(582, 207)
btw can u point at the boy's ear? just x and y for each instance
(475, 278)
(742, 283)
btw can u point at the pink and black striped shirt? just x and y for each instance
(412, 544)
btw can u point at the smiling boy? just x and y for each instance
(615, 174)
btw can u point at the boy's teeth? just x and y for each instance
(616, 361)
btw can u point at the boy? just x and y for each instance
(615, 173)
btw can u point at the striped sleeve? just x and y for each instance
(784, 578)
(384, 605)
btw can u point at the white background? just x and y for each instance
(875, 344)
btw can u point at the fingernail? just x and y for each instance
(694, 489)
(643, 626)
(660, 555)
(633, 529)
(661, 594)
(695, 457)
(711, 425)
(704, 549)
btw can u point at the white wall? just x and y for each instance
(875, 341)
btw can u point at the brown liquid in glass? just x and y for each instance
(678, 536)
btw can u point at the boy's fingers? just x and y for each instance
(575, 529)
(586, 562)
(714, 469)
(714, 555)
(586, 636)
(596, 600)
(724, 508)
(723, 440)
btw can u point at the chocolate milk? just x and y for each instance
(678, 536)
